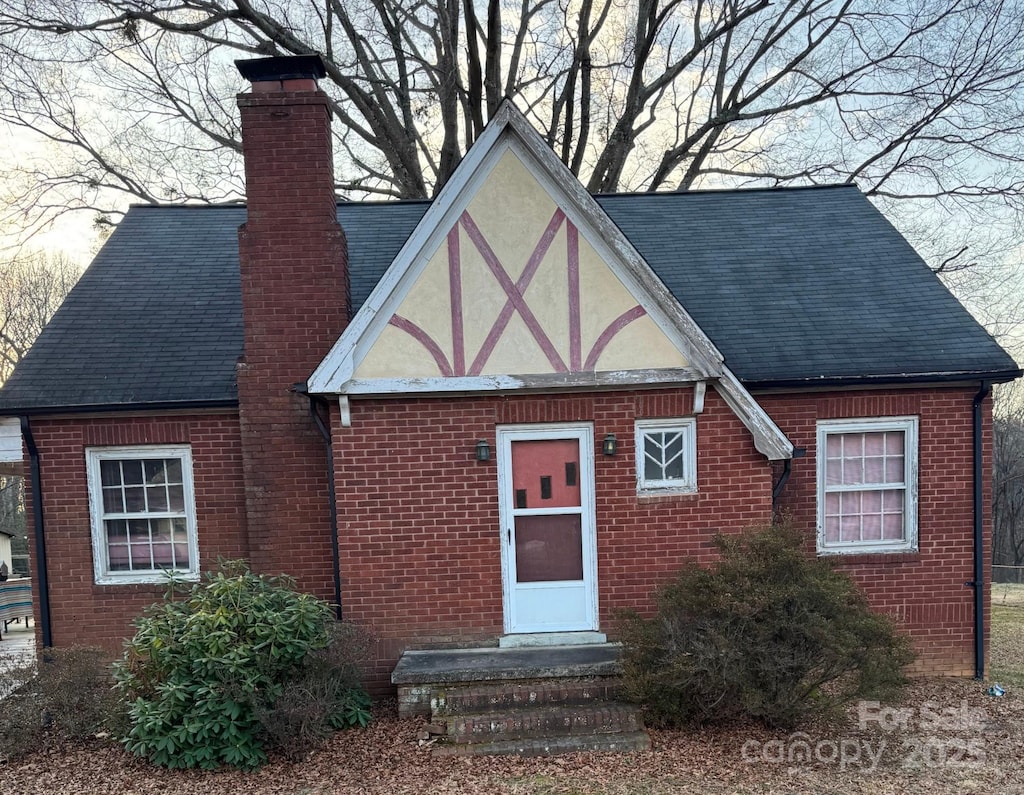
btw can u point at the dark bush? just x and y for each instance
(68, 696)
(324, 694)
(203, 667)
(768, 632)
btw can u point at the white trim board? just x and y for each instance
(10, 440)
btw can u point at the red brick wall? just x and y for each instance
(924, 591)
(418, 515)
(419, 529)
(81, 611)
(294, 279)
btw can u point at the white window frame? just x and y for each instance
(909, 427)
(687, 426)
(101, 567)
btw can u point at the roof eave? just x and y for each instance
(102, 408)
(895, 379)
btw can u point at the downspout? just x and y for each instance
(325, 432)
(42, 579)
(979, 535)
(787, 469)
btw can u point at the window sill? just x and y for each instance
(656, 494)
(894, 558)
(150, 590)
(159, 582)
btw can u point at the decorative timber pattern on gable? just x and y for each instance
(515, 289)
(515, 278)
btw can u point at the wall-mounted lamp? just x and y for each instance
(610, 445)
(483, 451)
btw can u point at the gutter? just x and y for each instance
(42, 579)
(978, 583)
(874, 381)
(335, 553)
(98, 408)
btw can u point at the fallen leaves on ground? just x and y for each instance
(949, 738)
(945, 737)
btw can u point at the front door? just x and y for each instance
(549, 552)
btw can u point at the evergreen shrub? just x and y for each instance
(206, 669)
(768, 632)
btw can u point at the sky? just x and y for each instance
(72, 234)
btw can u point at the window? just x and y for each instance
(867, 485)
(143, 513)
(666, 455)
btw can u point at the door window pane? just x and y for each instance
(549, 548)
(544, 473)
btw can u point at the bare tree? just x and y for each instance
(1008, 478)
(12, 520)
(31, 289)
(918, 101)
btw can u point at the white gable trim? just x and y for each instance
(509, 383)
(333, 373)
(509, 130)
(10, 440)
(769, 439)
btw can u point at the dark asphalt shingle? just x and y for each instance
(804, 284)
(791, 285)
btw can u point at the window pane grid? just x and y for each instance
(865, 487)
(863, 459)
(865, 516)
(144, 514)
(663, 455)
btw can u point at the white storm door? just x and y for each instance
(549, 545)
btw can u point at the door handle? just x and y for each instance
(509, 531)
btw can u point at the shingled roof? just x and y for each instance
(794, 286)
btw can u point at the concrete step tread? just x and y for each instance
(492, 664)
(550, 746)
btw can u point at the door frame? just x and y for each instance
(584, 433)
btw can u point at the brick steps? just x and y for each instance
(550, 746)
(515, 695)
(526, 701)
(543, 721)
(535, 718)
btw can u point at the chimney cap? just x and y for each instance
(286, 67)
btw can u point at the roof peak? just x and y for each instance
(240, 204)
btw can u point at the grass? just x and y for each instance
(1007, 642)
(1008, 594)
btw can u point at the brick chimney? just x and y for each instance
(295, 303)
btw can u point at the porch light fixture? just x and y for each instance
(483, 451)
(610, 445)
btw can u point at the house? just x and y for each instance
(5, 551)
(10, 459)
(501, 416)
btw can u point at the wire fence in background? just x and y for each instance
(1007, 574)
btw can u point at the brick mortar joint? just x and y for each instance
(282, 99)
